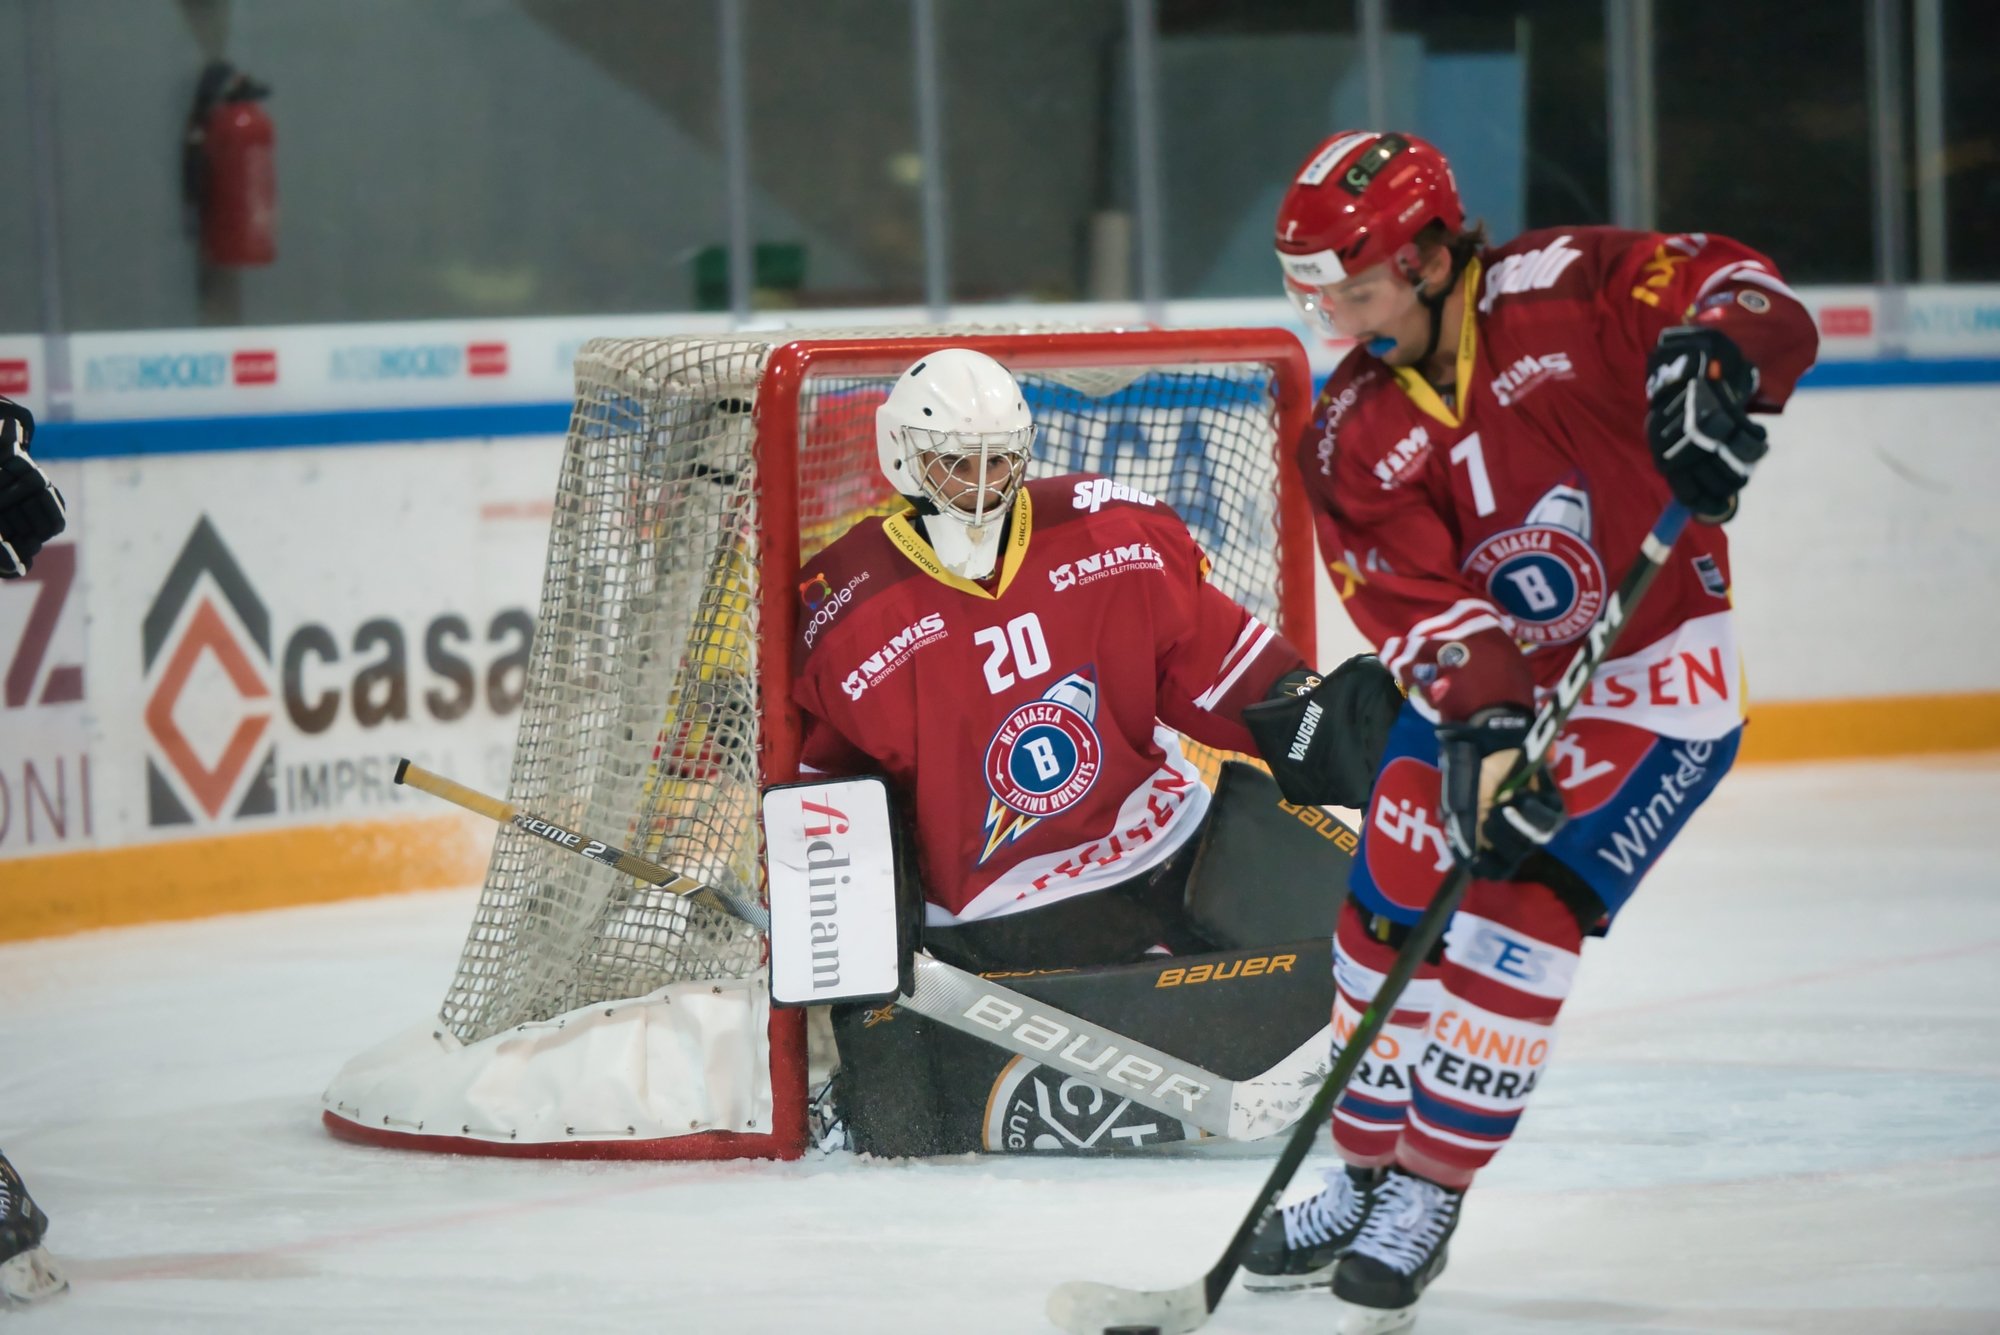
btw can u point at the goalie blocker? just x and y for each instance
(844, 912)
(1247, 907)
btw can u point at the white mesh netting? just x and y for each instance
(643, 718)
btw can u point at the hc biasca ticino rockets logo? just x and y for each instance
(1544, 574)
(1043, 758)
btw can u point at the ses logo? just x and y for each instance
(217, 679)
(130, 373)
(13, 376)
(417, 361)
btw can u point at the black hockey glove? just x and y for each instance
(31, 509)
(1493, 839)
(1324, 739)
(1698, 392)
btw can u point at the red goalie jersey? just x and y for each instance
(1519, 503)
(1029, 724)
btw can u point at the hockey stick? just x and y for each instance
(506, 813)
(1085, 1307)
(1011, 1021)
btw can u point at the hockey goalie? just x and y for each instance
(1018, 661)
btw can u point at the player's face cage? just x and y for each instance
(970, 475)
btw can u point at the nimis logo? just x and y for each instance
(207, 642)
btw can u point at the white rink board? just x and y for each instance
(332, 608)
(1866, 558)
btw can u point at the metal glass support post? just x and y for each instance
(1886, 138)
(41, 97)
(1927, 79)
(1631, 112)
(930, 147)
(1142, 29)
(736, 157)
(1371, 20)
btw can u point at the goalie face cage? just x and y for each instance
(699, 474)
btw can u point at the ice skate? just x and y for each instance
(1398, 1251)
(1298, 1246)
(28, 1274)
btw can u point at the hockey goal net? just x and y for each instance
(592, 1015)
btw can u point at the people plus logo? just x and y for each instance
(209, 704)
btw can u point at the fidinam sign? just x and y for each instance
(833, 892)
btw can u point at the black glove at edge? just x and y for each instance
(1698, 390)
(1493, 838)
(31, 508)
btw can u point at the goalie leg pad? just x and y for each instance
(911, 1087)
(1268, 870)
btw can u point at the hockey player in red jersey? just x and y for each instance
(1482, 469)
(1019, 659)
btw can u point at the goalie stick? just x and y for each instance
(1086, 1307)
(1012, 1021)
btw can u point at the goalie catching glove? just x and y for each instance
(1324, 737)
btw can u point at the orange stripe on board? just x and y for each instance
(316, 864)
(1897, 725)
(194, 878)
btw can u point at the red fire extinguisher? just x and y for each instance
(229, 178)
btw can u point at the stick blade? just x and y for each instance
(1085, 1307)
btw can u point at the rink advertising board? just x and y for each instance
(208, 686)
(24, 374)
(328, 368)
(204, 683)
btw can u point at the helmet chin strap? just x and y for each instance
(1434, 305)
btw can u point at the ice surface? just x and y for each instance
(1773, 1108)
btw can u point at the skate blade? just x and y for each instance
(1321, 1278)
(30, 1277)
(1355, 1320)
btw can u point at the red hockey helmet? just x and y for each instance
(1358, 201)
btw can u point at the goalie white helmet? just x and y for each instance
(954, 436)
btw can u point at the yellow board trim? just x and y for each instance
(317, 864)
(197, 878)
(1856, 729)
